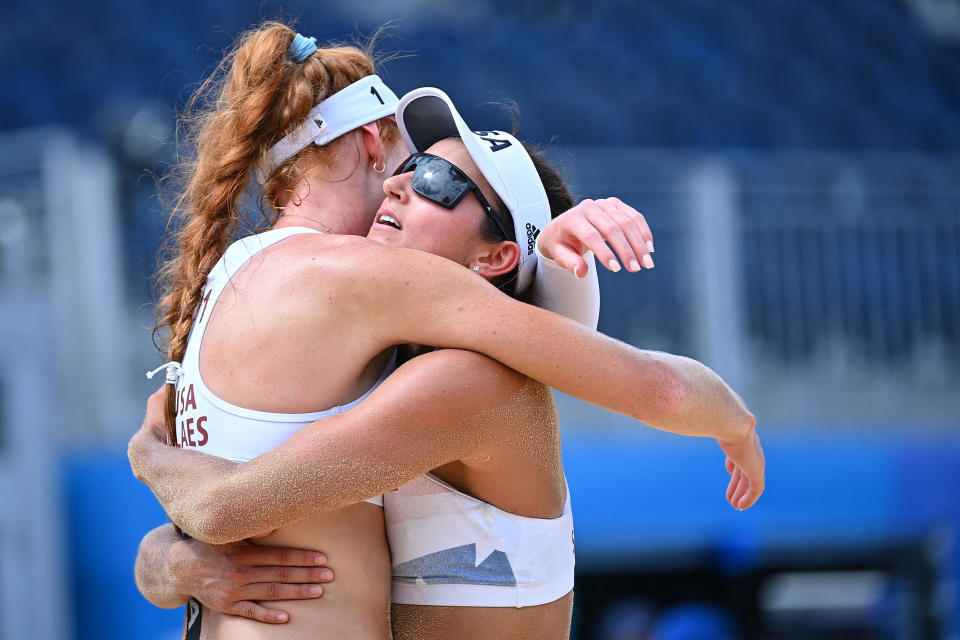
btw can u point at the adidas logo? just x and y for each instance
(532, 233)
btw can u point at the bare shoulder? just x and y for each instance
(334, 268)
(357, 260)
(328, 249)
(321, 253)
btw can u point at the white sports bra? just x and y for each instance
(451, 549)
(208, 423)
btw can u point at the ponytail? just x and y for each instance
(256, 95)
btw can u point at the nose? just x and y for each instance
(397, 187)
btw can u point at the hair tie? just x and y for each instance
(301, 48)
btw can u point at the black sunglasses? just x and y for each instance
(443, 183)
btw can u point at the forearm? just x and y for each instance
(704, 404)
(218, 501)
(154, 569)
(429, 301)
(438, 407)
(662, 390)
(184, 482)
(559, 290)
(665, 391)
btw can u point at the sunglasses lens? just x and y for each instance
(407, 165)
(440, 182)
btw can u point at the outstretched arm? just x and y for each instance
(429, 300)
(404, 296)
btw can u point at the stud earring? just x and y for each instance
(476, 267)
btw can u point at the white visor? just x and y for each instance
(364, 101)
(426, 116)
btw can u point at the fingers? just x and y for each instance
(751, 497)
(742, 487)
(290, 575)
(607, 221)
(744, 491)
(635, 228)
(570, 260)
(254, 611)
(281, 591)
(607, 227)
(731, 488)
(254, 555)
(753, 490)
(730, 465)
(585, 233)
(732, 485)
(619, 226)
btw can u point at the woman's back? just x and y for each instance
(270, 353)
(281, 337)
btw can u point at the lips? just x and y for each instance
(389, 220)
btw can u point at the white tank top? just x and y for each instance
(212, 425)
(451, 549)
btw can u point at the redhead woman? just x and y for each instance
(310, 320)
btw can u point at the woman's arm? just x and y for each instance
(439, 407)
(402, 296)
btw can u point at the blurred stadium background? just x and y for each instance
(799, 162)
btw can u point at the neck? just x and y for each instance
(327, 207)
(326, 201)
(290, 219)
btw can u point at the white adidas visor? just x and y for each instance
(364, 101)
(427, 115)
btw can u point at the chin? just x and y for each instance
(386, 239)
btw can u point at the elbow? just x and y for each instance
(136, 458)
(669, 399)
(207, 523)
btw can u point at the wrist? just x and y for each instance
(743, 430)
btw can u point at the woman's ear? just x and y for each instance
(370, 138)
(496, 259)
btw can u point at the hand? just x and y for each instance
(591, 226)
(230, 578)
(746, 466)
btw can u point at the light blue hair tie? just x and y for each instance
(301, 48)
